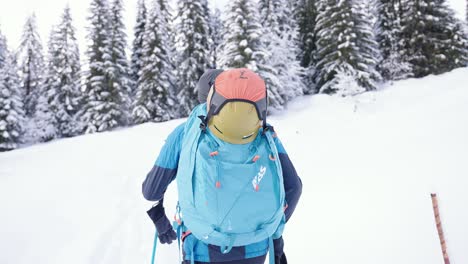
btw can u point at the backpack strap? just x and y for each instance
(271, 250)
(192, 252)
(180, 228)
(182, 232)
(227, 249)
(269, 133)
(193, 129)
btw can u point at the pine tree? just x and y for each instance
(242, 36)
(193, 46)
(243, 47)
(119, 71)
(43, 125)
(346, 84)
(281, 40)
(391, 67)
(414, 43)
(216, 32)
(63, 77)
(165, 11)
(12, 115)
(365, 19)
(167, 29)
(153, 99)
(370, 12)
(455, 43)
(30, 57)
(137, 49)
(345, 46)
(306, 14)
(3, 49)
(104, 108)
(434, 41)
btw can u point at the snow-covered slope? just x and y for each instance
(368, 166)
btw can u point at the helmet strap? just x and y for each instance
(265, 126)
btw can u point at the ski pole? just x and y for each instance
(154, 246)
(443, 244)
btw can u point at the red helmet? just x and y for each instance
(238, 85)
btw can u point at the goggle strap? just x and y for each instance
(215, 107)
(265, 127)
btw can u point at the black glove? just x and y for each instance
(165, 232)
(280, 257)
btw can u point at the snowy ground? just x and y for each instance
(368, 165)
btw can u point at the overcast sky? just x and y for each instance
(13, 15)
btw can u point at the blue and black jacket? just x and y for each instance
(164, 172)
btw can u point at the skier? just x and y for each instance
(233, 174)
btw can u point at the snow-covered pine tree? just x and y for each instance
(243, 46)
(370, 11)
(31, 63)
(104, 108)
(168, 19)
(43, 125)
(434, 41)
(391, 67)
(193, 49)
(169, 32)
(306, 14)
(456, 40)
(3, 49)
(365, 18)
(216, 32)
(345, 45)
(207, 12)
(137, 49)
(166, 12)
(242, 36)
(12, 115)
(63, 82)
(281, 40)
(414, 39)
(347, 84)
(119, 71)
(152, 99)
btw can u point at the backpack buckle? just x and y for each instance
(203, 122)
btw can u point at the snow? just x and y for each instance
(243, 43)
(368, 164)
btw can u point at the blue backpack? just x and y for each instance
(225, 203)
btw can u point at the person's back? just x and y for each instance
(219, 147)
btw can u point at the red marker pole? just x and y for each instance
(443, 244)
